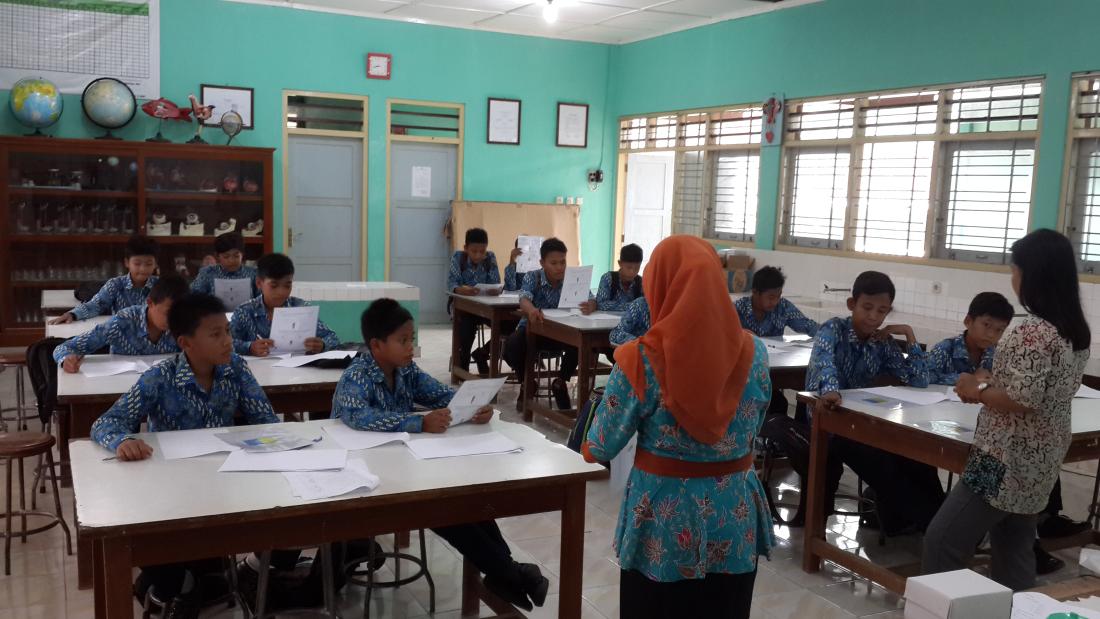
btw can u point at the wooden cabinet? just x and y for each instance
(70, 205)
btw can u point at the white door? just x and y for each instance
(422, 185)
(648, 208)
(324, 205)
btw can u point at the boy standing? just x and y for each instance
(619, 288)
(474, 265)
(765, 312)
(252, 321)
(124, 290)
(229, 252)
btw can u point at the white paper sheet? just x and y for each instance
(472, 395)
(449, 447)
(776, 344)
(233, 292)
(325, 484)
(297, 361)
(621, 466)
(352, 439)
(290, 326)
(1041, 606)
(528, 261)
(944, 427)
(421, 182)
(484, 289)
(284, 355)
(267, 439)
(309, 459)
(577, 286)
(604, 316)
(190, 444)
(101, 369)
(559, 313)
(920, 397)
(952, 396)
(1087, 393)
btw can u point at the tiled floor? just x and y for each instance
(43, 580)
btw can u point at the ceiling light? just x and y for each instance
(550, 12)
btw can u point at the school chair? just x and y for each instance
(16, 361)
(14, 448)
(365, 577)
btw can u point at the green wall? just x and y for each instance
(846, 46)
(272, 48)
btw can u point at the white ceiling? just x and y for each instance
(598, 21)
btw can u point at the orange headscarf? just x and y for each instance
(698, 350)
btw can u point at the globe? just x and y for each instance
(109, 103)
(232, 123)
(36, 103)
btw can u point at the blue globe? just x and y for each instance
(35, 102)
(109, 103)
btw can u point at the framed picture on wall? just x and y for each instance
(504, 121)
(573, 125)
(225, 99)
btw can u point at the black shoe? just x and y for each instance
(481, 358)
(183, 606)
(141, 587)
(509, 591)
(360, 549)
(1046, 563)
(1060, 526)
(534, 583)
(561, 394)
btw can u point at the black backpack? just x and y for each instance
(43, 373)
(579, 432)
(86, 290)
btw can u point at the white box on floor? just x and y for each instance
(962, 594)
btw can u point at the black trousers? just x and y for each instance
(467, 331)
(718, 596)
(483, 544)
(1054, 502)
(167, 579)
(515, 354)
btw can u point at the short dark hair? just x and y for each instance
(274, 266)
(630, 253)
(228, 242)
(1049, 287)
(476, 236)
(551, 245)
(141, 245)
(382, 318)
(768, 278)
(169, 287)
(992, 304)
(187, 312)
(872, 283)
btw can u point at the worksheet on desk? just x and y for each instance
(233, 292)
(576, 287)
(291, 326)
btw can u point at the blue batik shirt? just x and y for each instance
(250, 323)
(465, 273)
(950, 358)
(118, 293)
(840, 360)
(512, 280)
(634, 323)
(774, 322)
(169, 398)
(204, 281)
(127, 333)
(610, 296)
(364, 401)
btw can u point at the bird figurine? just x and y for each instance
(201, 113)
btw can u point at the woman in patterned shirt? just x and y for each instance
(693, 520)
(1023, 429)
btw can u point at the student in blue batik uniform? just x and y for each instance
(251, 322)
(618, 289)
(202, 387)
(379, 392)
(850, 353)
(985, 322)
(633, 324)
(229, 252)
(124, 290)
(474, 265)
(513, 281)
(136, 330)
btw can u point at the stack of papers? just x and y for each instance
(471, 396)
(352, 439)
(485, 289)
(324, 484)
(297, 361)
(1040, 606)
(100, 369)
(281, 461)
(266, 439)
(476, 445)
(190, 444)
(1087, 393)
(920, 397)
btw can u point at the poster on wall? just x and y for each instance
(74, 43)
(771, 130)
(504, 121)
(573, 125)
(227, 99)
(421, 182)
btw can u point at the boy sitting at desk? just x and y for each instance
(125, 290)
(251, 322)
(542, 290)
(229, 252)
(136, 330)
(474, 265)
(618, 289)
(202, 387)
(379, 391)
(850, 353)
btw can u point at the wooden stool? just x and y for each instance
(17, 361)
(15, 446)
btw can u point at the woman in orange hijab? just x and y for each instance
(695, 389)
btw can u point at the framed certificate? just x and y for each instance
(226, 99)
(504, 121)
(573, 125)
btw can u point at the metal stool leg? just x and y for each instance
(427, 574)
(21, 398)
(57, 505)
(22, 502)
(261, 586)
(7, 527)
(327, 578)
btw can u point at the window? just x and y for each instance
(715, 191)
(944, 172)
(1082, 222)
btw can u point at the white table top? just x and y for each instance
(59, 299)
(69, 385)
(112, 493)
(585, 323)
(75, 328)
(355, 291)
(1086, 413)
(792, 356)
(485, 299)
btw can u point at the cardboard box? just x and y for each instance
(738, 268)
(962, 594)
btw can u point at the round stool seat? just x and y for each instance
(24, 444)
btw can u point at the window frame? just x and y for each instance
(1069, 218)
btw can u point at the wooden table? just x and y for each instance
(788, 361)
(162, 511)
(589, 336)
(499, 311)
(894, 430)
(74, 328)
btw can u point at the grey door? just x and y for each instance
(324, 204)
(422, 185)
